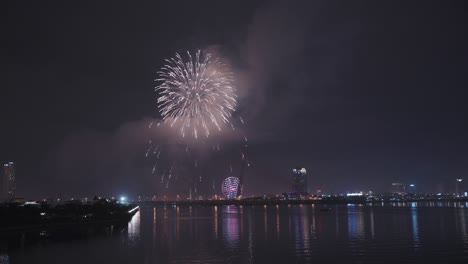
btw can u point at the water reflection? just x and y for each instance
(414, 225)
(337, 225)
(134, 229)
(296, 234)
(231, 226)
(265, 222)
(177, 229)
(355, 222)
(300, 222)
(372, 223)
(277, 222)
(250, 237)
(461, 223)
(153, 241)
(215, 216)
(241, 217)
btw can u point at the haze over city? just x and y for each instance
(361, 94)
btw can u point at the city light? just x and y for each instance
(459, 180)
(123, 199)
(354, 194)
(302, 170)
(299, 181)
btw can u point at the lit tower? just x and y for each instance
(8, 181)
(457, 186)
(299, 180)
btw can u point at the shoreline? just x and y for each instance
(289, 202)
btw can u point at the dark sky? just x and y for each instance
(361, 93)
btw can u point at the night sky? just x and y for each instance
(360, 93)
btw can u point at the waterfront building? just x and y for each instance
(299, 181)
(458, 187)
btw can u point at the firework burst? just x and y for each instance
(196, 94)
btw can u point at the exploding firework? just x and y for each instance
(230, 187)
(196, 97)
(196, 94)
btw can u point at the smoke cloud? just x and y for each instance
(282, 43)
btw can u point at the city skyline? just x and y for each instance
(231, 188)
(363, 95)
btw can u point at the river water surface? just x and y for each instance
(394, 233)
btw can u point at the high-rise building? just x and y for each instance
(8, 181)
(299, 180)
(458, 189)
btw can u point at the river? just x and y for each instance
(392, 233)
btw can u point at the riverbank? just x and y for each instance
(31, 216)
(324, 201)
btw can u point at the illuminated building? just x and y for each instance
(230, 187)
(457, 186)
(8, 181)
(356, 194)
(299, 180)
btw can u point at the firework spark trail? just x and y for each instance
(167, 173)
(196, 93)
(162, 177)
(196, 96)
(147, 152)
